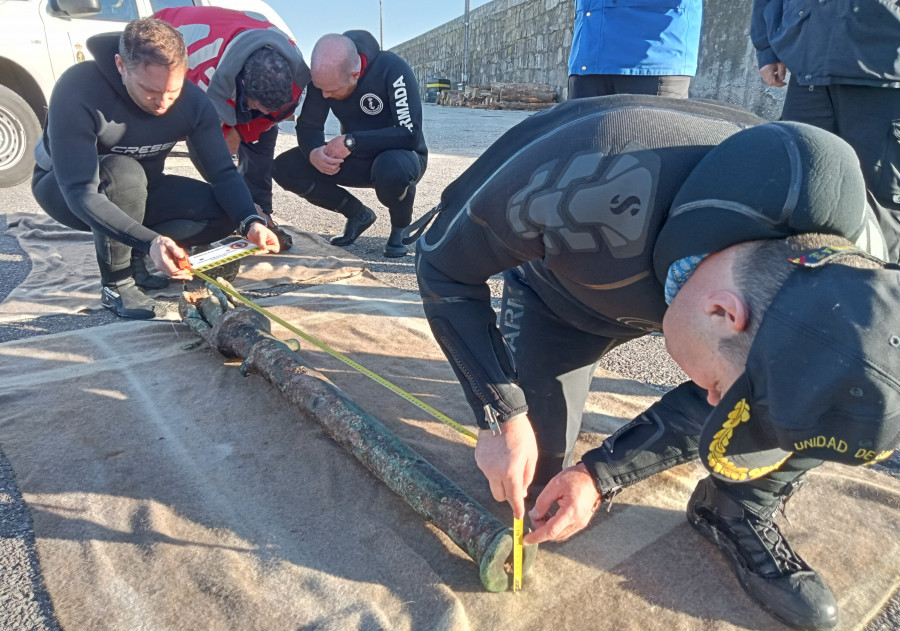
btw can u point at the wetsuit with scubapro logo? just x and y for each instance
(91, 115)
(568, 204)
(574, 206)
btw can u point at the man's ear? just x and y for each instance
(729, 306)
(120, 65)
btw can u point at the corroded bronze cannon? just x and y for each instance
(244, 333)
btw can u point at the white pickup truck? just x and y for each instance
(39, 39)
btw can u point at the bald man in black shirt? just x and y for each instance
(374, 94)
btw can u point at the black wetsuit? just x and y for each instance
(569, 204)
(384, 114)
(100, 161)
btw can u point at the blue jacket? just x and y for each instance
(636, 37)
(830, 41)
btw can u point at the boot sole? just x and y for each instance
(130, 316)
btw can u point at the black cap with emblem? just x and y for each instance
(822, 378)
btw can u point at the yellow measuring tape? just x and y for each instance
(518, 535)
(518, 527)
(322, 345)
(220, 255)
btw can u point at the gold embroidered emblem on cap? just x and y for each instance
(717, 459)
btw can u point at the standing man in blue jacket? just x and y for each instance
(374, 95)
(844, 59)
(622, 47)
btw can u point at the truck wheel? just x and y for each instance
(19, 133)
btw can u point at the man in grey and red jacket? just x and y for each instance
(254, 74)
(374, 95)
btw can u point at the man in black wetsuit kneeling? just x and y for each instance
(111, 124)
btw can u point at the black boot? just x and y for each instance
(119, 293)
(768, 569)
(285, 240)
(142, 277)
(394, 247)
(357, 223)
(127, 301)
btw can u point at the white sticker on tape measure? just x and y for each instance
(222, 254)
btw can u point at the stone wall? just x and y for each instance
(529, 41)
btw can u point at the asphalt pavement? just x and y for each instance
(452, 134)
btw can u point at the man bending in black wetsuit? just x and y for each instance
(110, 126)
(603, 211)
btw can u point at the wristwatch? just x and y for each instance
(248, 221)
(349, 142)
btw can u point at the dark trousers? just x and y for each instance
(181, 208)
(555, 364)
(255, 161)
(255, 164)
(588, 85)
(868, 118)
(392, 173)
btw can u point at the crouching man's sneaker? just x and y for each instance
(285, 240)
(768, 569)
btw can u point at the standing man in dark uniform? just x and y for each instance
(374, 94)
(599, 211)
(844, 60)
(110, 126)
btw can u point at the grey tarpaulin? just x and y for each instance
(169, 492)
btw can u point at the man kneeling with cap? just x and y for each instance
(604, 210)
